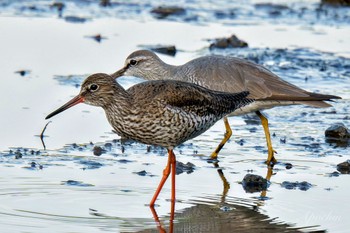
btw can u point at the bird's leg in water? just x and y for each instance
(271, 151)
(227, 136)
(171, 164)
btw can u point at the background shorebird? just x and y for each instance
(227, 74)
(163, 113)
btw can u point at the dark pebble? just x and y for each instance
(344, 167)
(231, 42)
(167, 50)
(165, 11)
(141, 173)
(254, 183)
(76, 183)
(304, 186)
(105, 3)
(18, 155)
(283, 140)
(289, 166)
(334, 174)
(97, 150)
(22, 72)
(336, 2)
(75, 19)
(181, 167)
(338, 131)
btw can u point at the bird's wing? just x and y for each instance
(188, 97)
(235, 75)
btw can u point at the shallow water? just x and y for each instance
(65, 188)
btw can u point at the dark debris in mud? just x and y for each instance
(230, 12)
(304, 186)
(163, 49)
(230, 42)
(344, 167)
(76, 183)
(337, 132)
(182, 167)
(23, 72)
(89, 164)
(252, 183)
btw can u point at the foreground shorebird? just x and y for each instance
(163, 113)
(227, 74)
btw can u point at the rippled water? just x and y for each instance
(65, 188)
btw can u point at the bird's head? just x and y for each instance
(97, 90)
(141, 64)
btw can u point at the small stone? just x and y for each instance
(304, 186)
(181, 167)
(338, 131)
(98, 150)
(254, 183)
(231, 42)
(164, 49)
(141, 173)
(23, 72)
(18, 155)
(335, 2)
(165, 11)
(288, 166)
(344, 167)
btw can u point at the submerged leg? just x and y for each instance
(227, 136)
(271, 151)
(171, 163)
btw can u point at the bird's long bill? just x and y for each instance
(76, 100)
(119, 73)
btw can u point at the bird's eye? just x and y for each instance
(93, 87)
(133, 62)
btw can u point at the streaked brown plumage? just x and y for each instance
(227, 74)
(163, 112)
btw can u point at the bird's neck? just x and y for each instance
(164, 71)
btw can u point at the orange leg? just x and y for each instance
(171, 164)
(271, 151)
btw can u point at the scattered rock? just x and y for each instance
(97, 150)
(181, 167)
(344, 167)
(337, 131)
(289, 166)
(304, 186)
(163, 49)
(141, 173)
(231, 42)
(162, 12)
(75, 19)
(98, 38)
(254, 183)
(338, 134)
(334, 174)
(22, 72)
(76, 183)
(105, 3)
(335, 2)
(90, 164)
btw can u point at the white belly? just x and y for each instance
(261, 105)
